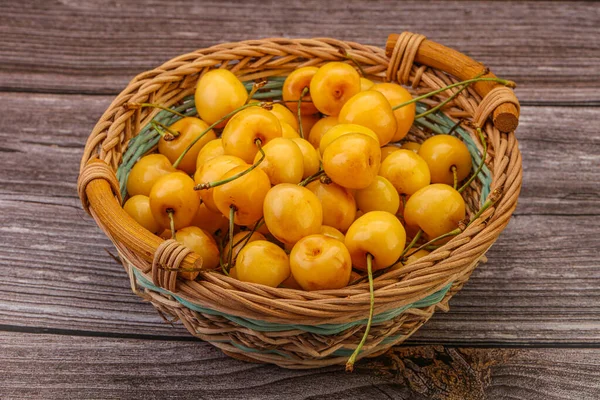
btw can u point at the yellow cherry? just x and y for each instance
(310, 157)
(283, 114)
(319, 129)
(210, 150)
(146, 172)
(405, 116)
(200, 243)
(318, 262)
(138, 208)
(308, 121)
(413, 255)
(441, 153)
(212, 171)
(365, 84)
(292, 212)
(378, 233)
(436, 209)
(352, 160)
(378, 196)
(218, 93)
(262, 262)
(283, 162)
(371, 109)
(209, 221)
(331, 232)
(288, 132)
(387, 150)
(414, 146)
(291, 283)
(174, 195)
(247, 126)
(292, 89)
(189, 129)
(242, 239)
(406, 171)
(339, 207)
(341, 130)
(332, 85)
(245, 195)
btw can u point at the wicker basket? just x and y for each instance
(291, 328)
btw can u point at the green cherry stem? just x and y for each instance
(352, 359)
(412, 243)
(232, 210)
(311, 178)
(440, 90)
(170, 213)
(208, 185)
(481, 164)
(300, 130)
(255, 88)
(167, 133)
(224, 118)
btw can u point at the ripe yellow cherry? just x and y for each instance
(318, 262)
(331, 232)
(189, 129)
(441, 152)
(436, 209)
(414, 146)
(378, 196)
(288, 132)
(378, 233)
(339, 207)
(291, 283)
(387, 150)
(262, 262)
(292, 212)
(405, 116)
(406, 171)
(341, 130)
(210, 150)
(352, 160)
(209, 221)
(413, 255)
(245, 127)
(138, 208)
(146, 172)
(200, 243)
(174, 194)
(332, 85)
(283, 114)
(310, 157)
(319, 129)
(245, 194)
(212, 171)
(242, 239)
(294, 85)
(283, 162)
(218, 93)
(365, 84)
(371, 109)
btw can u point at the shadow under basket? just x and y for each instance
(287, 327)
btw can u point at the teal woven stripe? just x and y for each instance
(323, 329)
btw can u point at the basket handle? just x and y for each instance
(505, 115)
(99, 189)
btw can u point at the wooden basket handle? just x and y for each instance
(505, 116)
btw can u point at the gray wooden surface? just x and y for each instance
(526, 326)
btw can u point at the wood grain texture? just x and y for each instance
(542, 269)
(98, 46)
(69, 367)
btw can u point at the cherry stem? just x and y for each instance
(232, 210)
(449, 99)
(412, 243)
(481, 163)
(455, 127)
(347, 55)
(170, 213)
(352, 359)
(468, 81)
(224, 118)
(164, 131)
(246, 238)
(453, 169)
(208, 185)
(300, 129)
(144, 105)
(311, 178)
(255, 87)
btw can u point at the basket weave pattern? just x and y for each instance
(254, 322)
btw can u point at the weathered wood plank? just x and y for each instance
(57, 366)
(97, 47)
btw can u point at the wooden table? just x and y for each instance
(527, 325)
